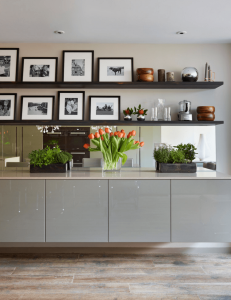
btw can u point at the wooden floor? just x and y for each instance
(115, 277)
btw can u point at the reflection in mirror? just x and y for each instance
(18, 141)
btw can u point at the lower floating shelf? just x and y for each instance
(112, 123)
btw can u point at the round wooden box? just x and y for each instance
(205, 109)
(145, 71)
(146, 77)
(205, 117)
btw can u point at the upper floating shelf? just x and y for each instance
(112, 123)
(111, 85)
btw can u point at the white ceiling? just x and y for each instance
(115, 21)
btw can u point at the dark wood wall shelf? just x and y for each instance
(112, 123)
(111, 85)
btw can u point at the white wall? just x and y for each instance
(171, 58)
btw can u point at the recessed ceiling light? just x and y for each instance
(59, 32)
(181, 32)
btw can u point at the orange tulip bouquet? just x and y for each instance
(113, 145)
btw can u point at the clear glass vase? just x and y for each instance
(111, 166)
(160, 109)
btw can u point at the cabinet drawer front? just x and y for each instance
(139, 211)
(77, 211)
(22, 210)
(200, 210)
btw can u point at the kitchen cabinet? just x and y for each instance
(22, 210)
(139, 210)
(77, 211)
(201, 211)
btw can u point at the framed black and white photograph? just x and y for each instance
(71, 105)
(9, 64)
(39, 69)
(37, 107)
(8, 106)
(118, 69)
(104, 107)
(78, 65)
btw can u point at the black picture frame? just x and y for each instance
(49, 96)
(79, 51)
(17, 62)
(90, 107)
(83, 104)
(15, 100)
(116, 58)
(56, 67)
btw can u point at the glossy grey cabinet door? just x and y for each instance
(77, 210)
(201, 210)
(22, 210)
(139, 210)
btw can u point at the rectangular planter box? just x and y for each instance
(177, 168)
(54, 168)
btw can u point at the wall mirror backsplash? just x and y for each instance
(18, 141)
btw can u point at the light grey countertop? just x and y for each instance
(124, 174)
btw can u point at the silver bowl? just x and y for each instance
(189, 74)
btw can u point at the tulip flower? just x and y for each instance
(113, 148)
(101, 132)
(86, 146)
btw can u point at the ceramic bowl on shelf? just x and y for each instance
(205, 109)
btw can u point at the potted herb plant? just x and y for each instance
(113, 145)
(177, 160)
(128, 114)
(52, 143)
(189, 151)
(140, 112)
(49, 160)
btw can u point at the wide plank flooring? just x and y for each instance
(115, 277)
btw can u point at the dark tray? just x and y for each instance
(54, 168)
(177, 168)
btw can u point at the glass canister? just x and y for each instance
(160, 109)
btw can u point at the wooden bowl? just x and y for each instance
(205, 117)
(145, 71)
(146, 77)
(205, 109)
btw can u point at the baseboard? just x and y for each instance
(116, 248)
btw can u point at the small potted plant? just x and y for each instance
(52, 143)
(177, 160)
(140, 112)
(127, 114)
(49, 160)
(189, 151)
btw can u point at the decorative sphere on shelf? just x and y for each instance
(189, 74)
